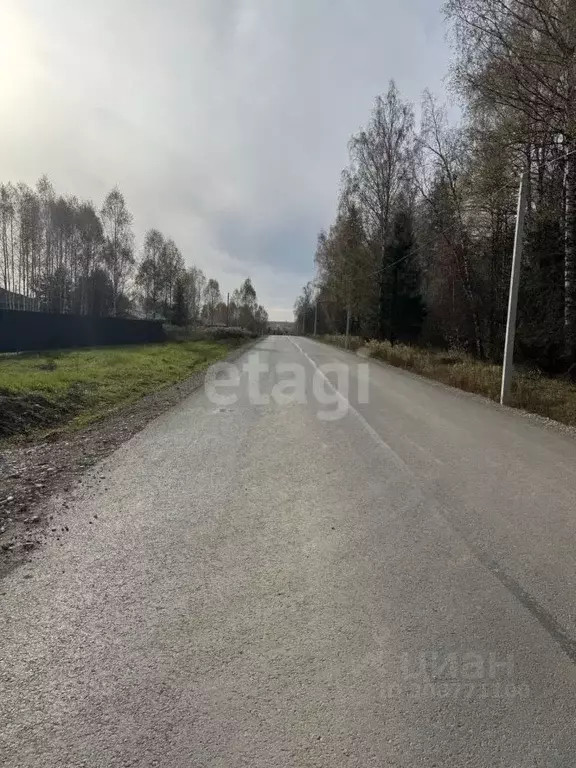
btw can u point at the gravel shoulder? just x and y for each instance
(31, 473)
(249, 584)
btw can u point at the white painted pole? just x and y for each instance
(508, 367)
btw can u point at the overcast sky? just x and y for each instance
(224, 122)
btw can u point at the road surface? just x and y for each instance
(258, 583)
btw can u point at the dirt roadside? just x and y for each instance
(32, 472)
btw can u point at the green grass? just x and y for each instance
(80, 386)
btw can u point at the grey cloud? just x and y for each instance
(225, 122)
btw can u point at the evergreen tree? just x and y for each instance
(180, 314)
(404, 313)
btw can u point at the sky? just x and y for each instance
(224, 122)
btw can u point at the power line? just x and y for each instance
(445, 231)
(555, 160)
(413, 253)
(436, 237)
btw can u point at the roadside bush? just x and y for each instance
(355, 342)
(223, 334)
(399, 355)
(175, 333)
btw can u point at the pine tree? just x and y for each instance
(405, 313)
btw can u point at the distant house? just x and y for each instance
(11, 300)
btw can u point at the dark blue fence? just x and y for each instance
(31, 331)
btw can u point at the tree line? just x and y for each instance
(62, 254)
(420, 249)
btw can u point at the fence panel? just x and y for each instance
(31, 331)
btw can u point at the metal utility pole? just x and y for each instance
(316, 319)
(508, 367)
(228, 311)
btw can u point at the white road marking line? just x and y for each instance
(388, 450)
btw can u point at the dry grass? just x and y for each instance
(552, 398)
(355, 342)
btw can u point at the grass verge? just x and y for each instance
(553, 398)
(354, 342)
(74, 388)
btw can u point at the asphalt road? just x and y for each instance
(256, 583)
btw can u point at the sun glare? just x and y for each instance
(16, 57)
